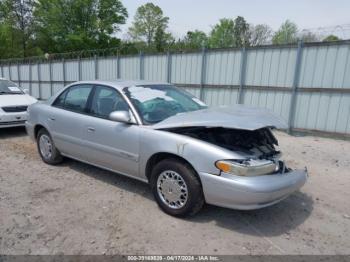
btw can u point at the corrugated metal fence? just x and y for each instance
(307, 84)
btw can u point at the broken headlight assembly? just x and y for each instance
(249, 167)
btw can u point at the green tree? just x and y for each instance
(69, 25)
(110, 15)
(331, 38)
(148, 19)
(260, 34)
(222, 34)
(162, 39)
(9, 44)
(286, 34)
(16, 17)
(195, 39)
(241, 32)
(230, 33)
(308, 36)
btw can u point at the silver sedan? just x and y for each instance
(189, 153)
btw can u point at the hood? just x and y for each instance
(16, 100)
(238, 117)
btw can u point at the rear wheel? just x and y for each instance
(47, 149)
(176, 187)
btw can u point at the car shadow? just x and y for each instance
(121, 181)
(274, 220)
(270, 221)
(11, 132)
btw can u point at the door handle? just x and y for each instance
(91, 129)
(52, 119)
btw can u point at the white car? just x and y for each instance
(13, 104)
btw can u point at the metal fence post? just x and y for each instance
(203, 72)
(243, 69)
(118, 66)
(10, 74)
(2, 70)
(50, 75)
(39, 79)
(293, 99)
(18, 75)
(168, 76)
(79, 68)
(64, 71)
(141, 66)
(96, 66)
(30, 78)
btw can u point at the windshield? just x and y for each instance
(155, 103)
(8, 87)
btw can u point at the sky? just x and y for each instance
(186, 15)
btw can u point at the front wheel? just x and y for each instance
(47, 149)
(176, 188)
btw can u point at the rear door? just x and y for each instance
(66, 120)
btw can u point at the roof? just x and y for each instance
(120, 84)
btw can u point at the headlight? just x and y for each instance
(250, 167)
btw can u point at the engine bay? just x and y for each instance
(260, 143)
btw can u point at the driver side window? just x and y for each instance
(105, 101)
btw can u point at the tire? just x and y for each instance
(182, 178)
(52, 156)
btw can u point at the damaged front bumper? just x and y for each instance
(246, 193)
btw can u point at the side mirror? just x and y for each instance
(26, 91)
(121, 116)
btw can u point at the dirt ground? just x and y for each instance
(75, 208)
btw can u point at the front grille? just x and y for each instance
(12, 123)
(14, 109)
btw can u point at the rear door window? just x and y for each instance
(75, 98)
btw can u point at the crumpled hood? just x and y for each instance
(16, 100)
(238, 117)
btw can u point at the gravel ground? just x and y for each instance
(75, 208)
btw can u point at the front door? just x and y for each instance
(112, 145)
